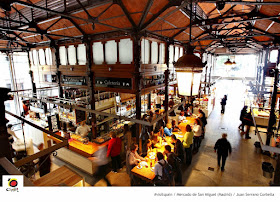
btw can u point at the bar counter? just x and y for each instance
(86, 150)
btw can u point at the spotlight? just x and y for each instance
(220, 5)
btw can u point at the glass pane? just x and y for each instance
(35, 57)
(125, 51)
(31, 57)
(273, 56)
(145, 51)
(111, 52)
(5, 76)
(82, 57)
(176, 57)
(42, 57)
(21, 68)
(162, 53)
(154, 52)
(181, 51)
(48, 56)
(72, 55)
(98, 55)
(62, 55)
(171, 54)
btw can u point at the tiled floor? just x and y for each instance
(243, 167)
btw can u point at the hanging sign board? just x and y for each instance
(123, 83)
(53, 122)
(74, 80)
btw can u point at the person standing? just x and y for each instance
(114, 150)
(178, 148)
(203, 119)
(187, 143)
(83, 130)
(241, 118)
(176, 168)
(223, 104)
(223, 149)
(158, 101)
(197, 135)
(127, 137)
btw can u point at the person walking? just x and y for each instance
(223, 149)
(248, 121)
(223, 104)
(114, 150)
(101, 160)
(187, 143)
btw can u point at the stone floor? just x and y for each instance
(243, 167)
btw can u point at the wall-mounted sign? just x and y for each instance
(124, 83)
(50, 78)
(74, 80)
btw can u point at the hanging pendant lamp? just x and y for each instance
(228, 62)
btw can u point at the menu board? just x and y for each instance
(53, 123)
(80, 116)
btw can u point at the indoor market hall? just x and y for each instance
(181, 94)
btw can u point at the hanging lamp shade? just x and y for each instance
(188, 68)
(234, 63)
(228, 62)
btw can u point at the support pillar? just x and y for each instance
(166, 82)
(34, 90)
(91, 82)
(272, 117)
(137, 66)
(58, 73)
(149, 100)
(5, 148)
(276, 180)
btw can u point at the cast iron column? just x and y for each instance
(137, 77)
(272, 117)
(166, 80)
(58, 73)
(5, 149)
(31, 76)
(91, 85)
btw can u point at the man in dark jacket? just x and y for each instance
(223, 148)
(223, 104)
(242, 114)
(176, 168)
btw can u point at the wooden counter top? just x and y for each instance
(86, 150)
(62, 176)
(146, 173)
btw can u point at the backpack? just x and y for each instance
(167, 175)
